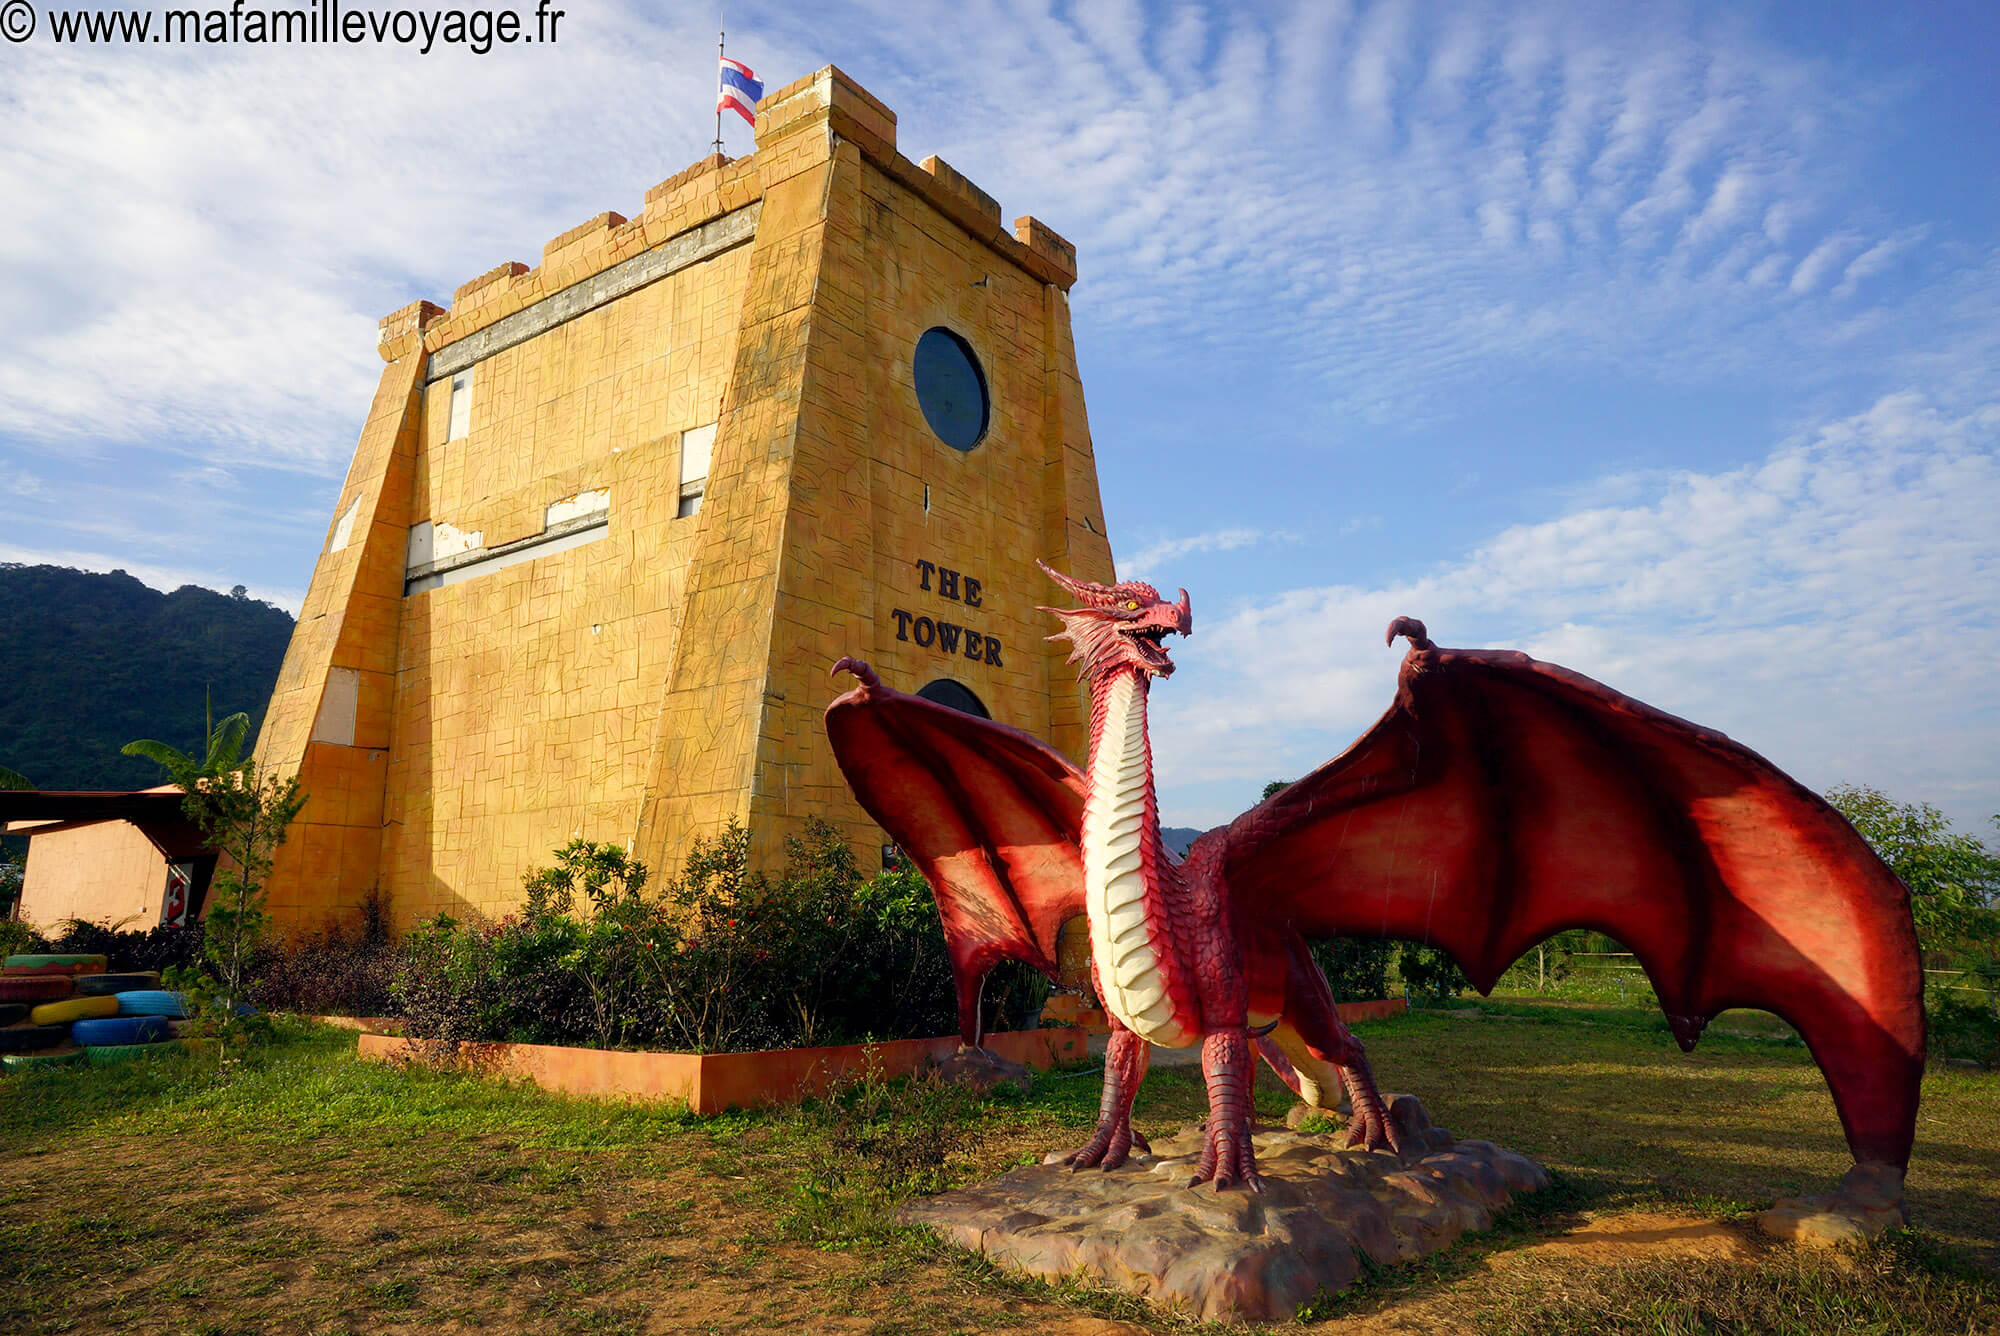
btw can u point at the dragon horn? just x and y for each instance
(1091, 595)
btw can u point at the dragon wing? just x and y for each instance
(991, 816)
(1501, 799)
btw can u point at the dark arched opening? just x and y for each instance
(955, 694)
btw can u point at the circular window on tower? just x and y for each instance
(955, 694)
(951, 388)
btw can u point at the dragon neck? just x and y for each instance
(1125, 872)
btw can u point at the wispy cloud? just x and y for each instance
(1150, 558)
(199, 245)
(1830, 606)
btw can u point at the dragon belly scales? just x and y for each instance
(1116, 893)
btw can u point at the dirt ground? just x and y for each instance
(261, 1244)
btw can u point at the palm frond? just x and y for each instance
(14, 779)
(225, 744)
(172, 759)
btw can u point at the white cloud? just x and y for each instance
(1829, 606)
(1150, 558)
(201, 244)
(1820, 262)
(1877, 258)
(17, 482)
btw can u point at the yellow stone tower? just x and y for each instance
(611, 519)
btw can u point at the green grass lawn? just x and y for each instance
(308, 1192)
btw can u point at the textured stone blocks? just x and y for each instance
(652, 684)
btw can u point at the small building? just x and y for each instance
(124, 860)
(611, 519)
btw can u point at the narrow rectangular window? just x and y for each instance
(461, 406)
(696, 445)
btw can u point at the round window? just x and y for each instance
(951, 388)
(955, 694)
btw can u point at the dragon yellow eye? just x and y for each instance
(1132, 606)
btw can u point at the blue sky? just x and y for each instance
(1663, 346)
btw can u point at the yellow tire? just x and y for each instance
(73, 1009)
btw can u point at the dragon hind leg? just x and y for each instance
(1313, 1037)
(1312, 1078)
(1125, 1060)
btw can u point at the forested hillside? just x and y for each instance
(89, 662)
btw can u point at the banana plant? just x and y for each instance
(223, 754)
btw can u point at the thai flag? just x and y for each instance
(737, 90)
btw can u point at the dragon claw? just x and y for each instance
(1370, 1127)
(1108, 1148)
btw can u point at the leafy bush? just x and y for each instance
(161, 948)
(1963, 1028)
(722, 959)
(1428, 974)
(337, 971)
(16, 937)
(1356, 967)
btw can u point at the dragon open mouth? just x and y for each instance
(1146, 640)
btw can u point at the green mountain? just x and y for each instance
(90, 662)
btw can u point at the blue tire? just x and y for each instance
(121, 1030)
(151, 1002)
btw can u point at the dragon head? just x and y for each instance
(1119, 625)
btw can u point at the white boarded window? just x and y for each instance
(344, 530)
(461, 406)
(337, 707)
(696, 446)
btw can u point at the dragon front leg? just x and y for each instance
(1227, 1155)
(1125, 1060)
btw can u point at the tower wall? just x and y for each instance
(515, 636)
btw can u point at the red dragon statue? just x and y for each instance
(1498, 801)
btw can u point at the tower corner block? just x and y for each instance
(402, 330)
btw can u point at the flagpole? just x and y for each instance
(719, 35)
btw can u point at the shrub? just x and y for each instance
(1356, 967)
(16, 937)
(173, 946)
(722, 958)
(1963, 1028)
(1428, 973)
(337, 971)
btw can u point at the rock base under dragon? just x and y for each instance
(1235, 1255)
(1868, 1202)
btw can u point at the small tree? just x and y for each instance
(244, 814)
(1954, 880)
(1954, 883)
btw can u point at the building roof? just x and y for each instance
(23, 810)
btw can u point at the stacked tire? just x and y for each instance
(57, 1010)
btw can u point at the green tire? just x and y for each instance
(105, 1055)
(23, 1062)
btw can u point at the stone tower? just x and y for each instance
(611, 519)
